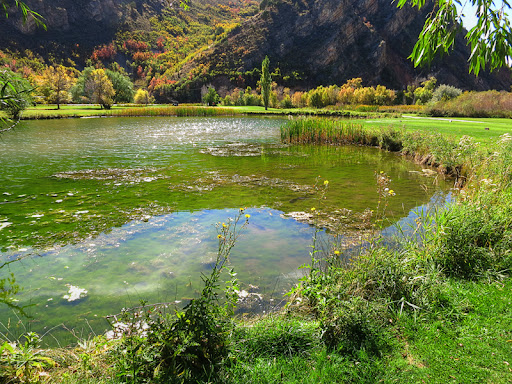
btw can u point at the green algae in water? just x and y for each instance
(125, 208)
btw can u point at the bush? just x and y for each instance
(189, 346)
(14, 93)
(445, 92)
(355, 325)
(476, 237)
(276, 336)
(141, 97)
(475, 104)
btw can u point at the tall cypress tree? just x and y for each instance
(265, 81)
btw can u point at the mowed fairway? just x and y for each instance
(485, 131)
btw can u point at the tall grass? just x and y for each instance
(451, 156)
(322, 131)
(172, 111)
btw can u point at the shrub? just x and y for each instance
(354, 325)
(141, 96)
(476, 237)
(276, 336)
(445, 92)
(286, 102)
(475, 104)
(189, 346)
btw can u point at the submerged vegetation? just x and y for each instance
(450, 155)
(434, 308)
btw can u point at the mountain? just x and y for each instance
(330, 41)
(223, 42)
(76, 27)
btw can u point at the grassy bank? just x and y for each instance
(484, 130)
(73, 111)
(87, 110)
(436, 309)
(449, 154)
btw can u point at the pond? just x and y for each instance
(104, 212)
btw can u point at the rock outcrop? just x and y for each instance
(72, 23)
(331, 41)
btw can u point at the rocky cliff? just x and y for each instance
(330, 41)
(72, 23)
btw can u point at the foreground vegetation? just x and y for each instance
(434, 307)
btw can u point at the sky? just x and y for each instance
(469, 12)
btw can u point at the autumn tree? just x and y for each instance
(141, 96)
(99, 89)
(56, 83)
(423, 94)
(265, 81)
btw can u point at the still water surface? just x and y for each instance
(125, 209)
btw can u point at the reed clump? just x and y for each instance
(450, 155)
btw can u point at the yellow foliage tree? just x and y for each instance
(99, 88)
(55, 83)
(141, 97)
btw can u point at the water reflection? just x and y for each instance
(124, 209)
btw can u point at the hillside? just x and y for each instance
(331, 41)
(174, 53)
(76, 28)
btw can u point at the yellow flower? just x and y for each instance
(313, 209)
(219, 236)
(336, 252)
(381, 172)
(326, 182)
(224, 225)
(247, 215)
(391, 192)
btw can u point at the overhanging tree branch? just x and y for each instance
(490, 39)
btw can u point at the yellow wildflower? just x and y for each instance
(247, 215)
(326, 182)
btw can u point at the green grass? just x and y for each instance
(85, 110)
(51, 111)
(437, 313)
(476, 348)
(457, 127)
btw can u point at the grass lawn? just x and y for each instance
(455, 127)
(67, 110)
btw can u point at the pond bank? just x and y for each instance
(72, 111)
(423, 313)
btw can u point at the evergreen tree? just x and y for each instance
(265, 82)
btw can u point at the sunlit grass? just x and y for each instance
(484, 130)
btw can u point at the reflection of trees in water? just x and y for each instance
(8, 287)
